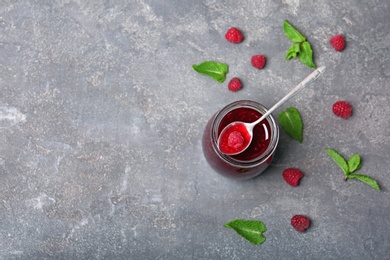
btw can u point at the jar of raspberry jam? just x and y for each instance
(256, 158)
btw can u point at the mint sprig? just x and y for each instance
(301, 46)
(354, 163)
(251, 230)
(215, 70)
(291, 122)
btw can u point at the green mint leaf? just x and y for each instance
(306, 55)
(354, 163)
(291, 122)
(251, 230)
(339, 160)
(292, 33)
(213, 69)
(366, 180)
(293, 51)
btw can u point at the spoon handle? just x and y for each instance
(309, 79)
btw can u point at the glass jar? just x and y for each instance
(256, 158)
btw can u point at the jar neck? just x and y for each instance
(273, 129)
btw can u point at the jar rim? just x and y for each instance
(241, 163)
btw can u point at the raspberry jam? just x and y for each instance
(256, 158)
(236, 137)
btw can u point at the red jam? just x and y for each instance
(257, 157)
(261, 133)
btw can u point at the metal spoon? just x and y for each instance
(249, 126)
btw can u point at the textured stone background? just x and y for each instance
(101, 118)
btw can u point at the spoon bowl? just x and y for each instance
(239, 134)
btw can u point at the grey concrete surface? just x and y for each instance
(101, 119)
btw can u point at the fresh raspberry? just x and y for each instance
(337, 42)
(342, 109)
(234, 35)
(292, 176)
(258, 61)
(300, 223)
(235, 84)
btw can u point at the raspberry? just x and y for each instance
(292, 176)
(258, 61)
(235, 84)
(234, 35)
(342, 109)
(337, 42)
(235, 140)
(300, 223)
